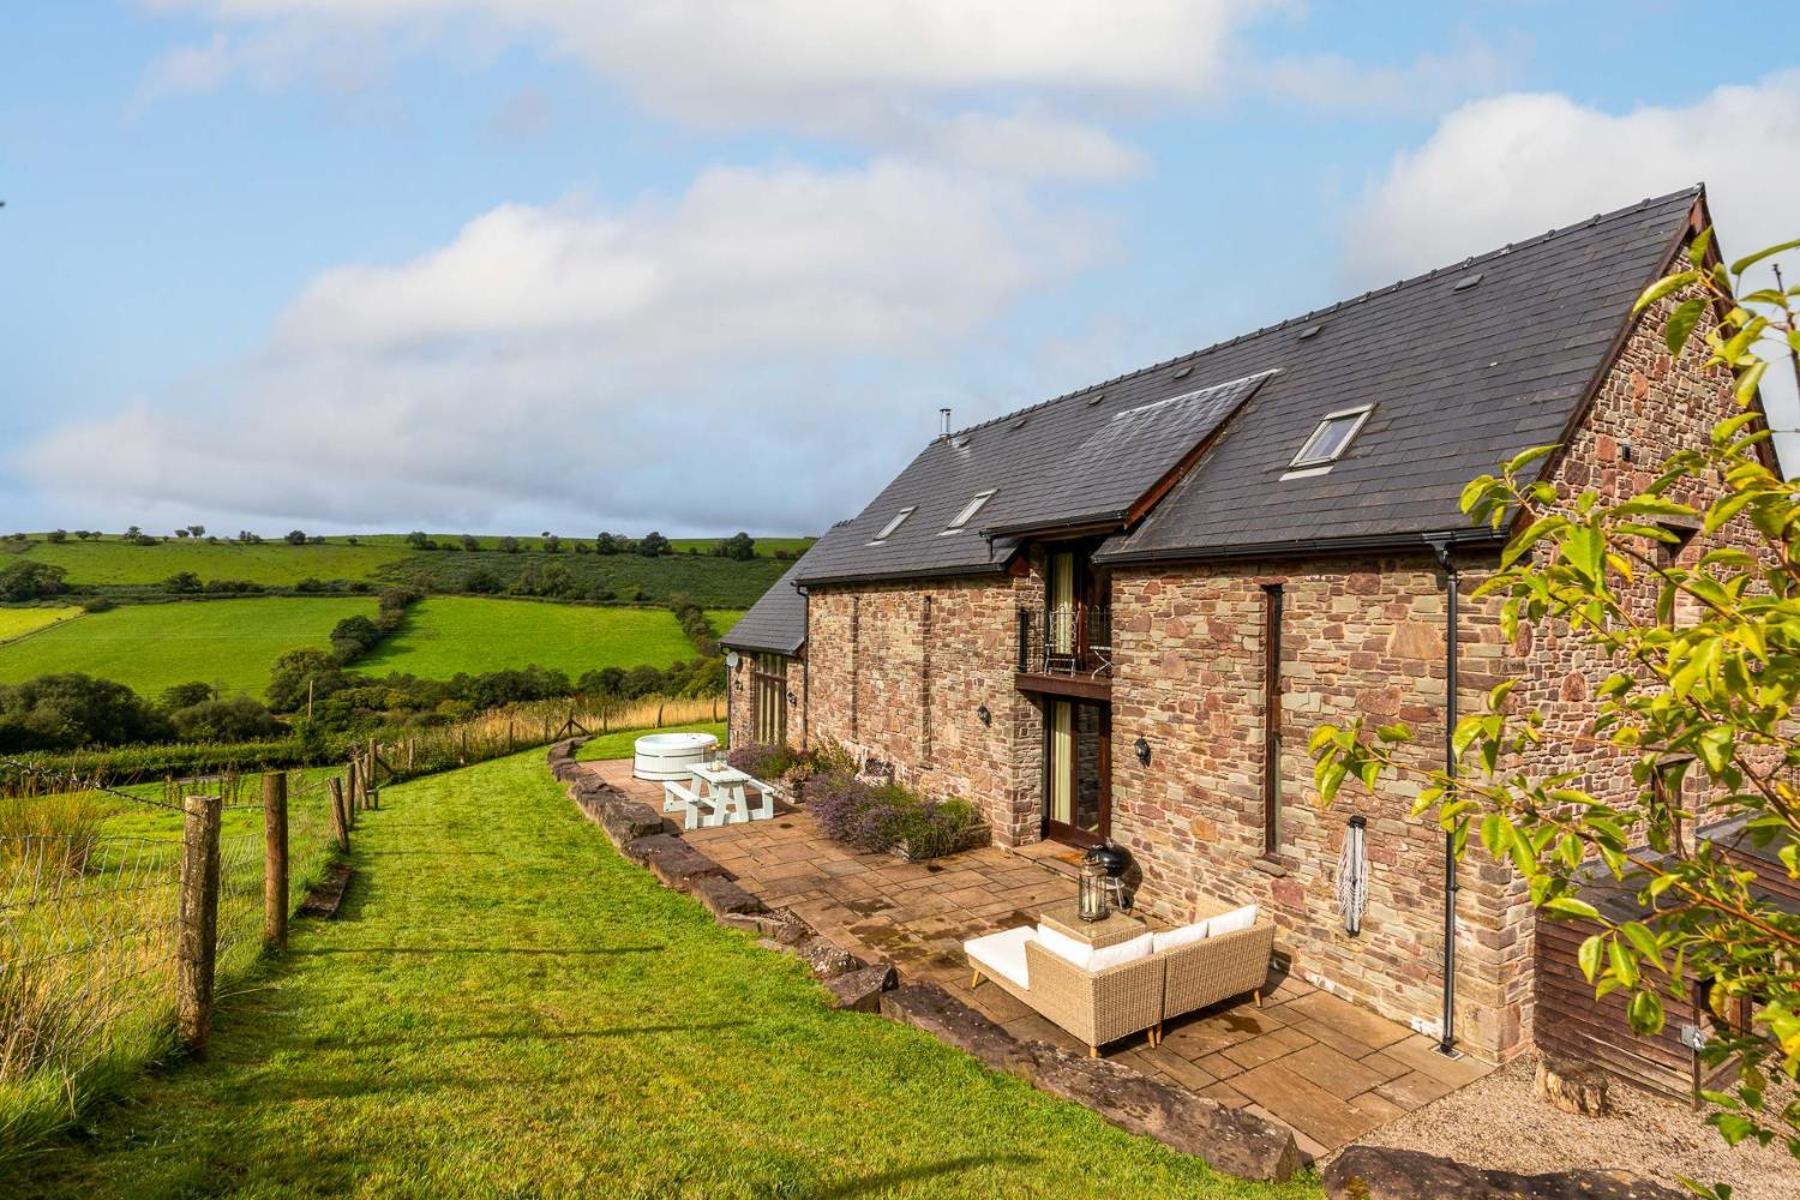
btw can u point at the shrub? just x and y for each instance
(353, 637)
(63, 712)
(31, 581)
(766, 762)
(739, 547)
(296, 537)
(653, 545)
(509, 545)
(883, 817)
(57, 535)
(98, 604)
(470, 542)
(239, 719)
(182, 583)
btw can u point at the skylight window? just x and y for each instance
(887, 530)
(968, 512)
(1329, 441)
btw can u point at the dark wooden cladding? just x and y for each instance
(1568, 1019)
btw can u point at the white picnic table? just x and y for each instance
(718, 796)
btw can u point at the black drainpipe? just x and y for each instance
(806, 666)
(1440, 546)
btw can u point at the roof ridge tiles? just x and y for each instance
(1690, 192)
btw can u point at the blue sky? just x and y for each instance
(507, 264)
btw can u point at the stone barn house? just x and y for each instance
(1121, 612)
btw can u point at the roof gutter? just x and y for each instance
(1472, 536)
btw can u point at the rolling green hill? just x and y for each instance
(149, 647)
(444, 635)
(114, 564)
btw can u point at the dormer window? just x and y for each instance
(1329, 441)
(888, 529)
(968, 512)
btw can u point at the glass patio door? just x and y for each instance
(1077, 771)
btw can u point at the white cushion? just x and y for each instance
(1111, 956)
(1187, 935)
(1063, 946)
(1002, 953)
(1236, 919)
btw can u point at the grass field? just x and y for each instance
(385, 558)
(150, 647)
(505, 1007)
(722, 619)
(17, 622)
(272, 564)
(621, 744)
(447, 634)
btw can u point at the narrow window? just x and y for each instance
(1271, 719)
(888, 529)
(968, 512)
(1332, 437)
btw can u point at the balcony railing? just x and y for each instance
(1066, 641)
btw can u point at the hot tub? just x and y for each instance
(671, 755)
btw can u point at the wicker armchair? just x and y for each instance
(1096, 1006)
(1217, 968)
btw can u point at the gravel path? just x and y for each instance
(1498, 1124)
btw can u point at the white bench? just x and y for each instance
(696, 814)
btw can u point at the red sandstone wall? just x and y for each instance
(898, 674)
(743, 701)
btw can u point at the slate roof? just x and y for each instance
(776, 623)
(1460, 378)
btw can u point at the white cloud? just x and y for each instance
(676, 361)
(1510, 167)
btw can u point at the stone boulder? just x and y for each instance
(825, 958)
(1574, 1087)
(928, 1007)
(1227, 1139)
(722, 897)
(670, 859)
(1378, 1173)
(860, 990)
(627, 820)
(779, 929)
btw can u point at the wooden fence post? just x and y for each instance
(374, 797)
(352, 790)
(199, 917)
(275, 861)
(409, 755)
(340, 821)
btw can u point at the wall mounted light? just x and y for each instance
(1143, 751)
(983, 715)
(793, 699)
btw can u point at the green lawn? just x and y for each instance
(621, 744)
(722, 619)
(505, 1007)
(273, 564)
(17, 622)
(447, 634)
(149, 647)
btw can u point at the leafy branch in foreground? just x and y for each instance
(1705, 662)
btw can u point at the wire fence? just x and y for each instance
(96, 887)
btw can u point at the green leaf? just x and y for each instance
(1645, 1013)
(1643, 941)
(1624, 966)
(1663, 286)
(1525, 458)
(1588, 957)
(1748, 382)
(1681, 322)
(1750, 260)
(1571, 906)
(1697, 248)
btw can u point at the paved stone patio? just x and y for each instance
(1328, 1069)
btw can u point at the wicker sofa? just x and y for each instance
(1132, 987)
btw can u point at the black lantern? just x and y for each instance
(1143, 751)
(983, 715)
(1091, 895)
